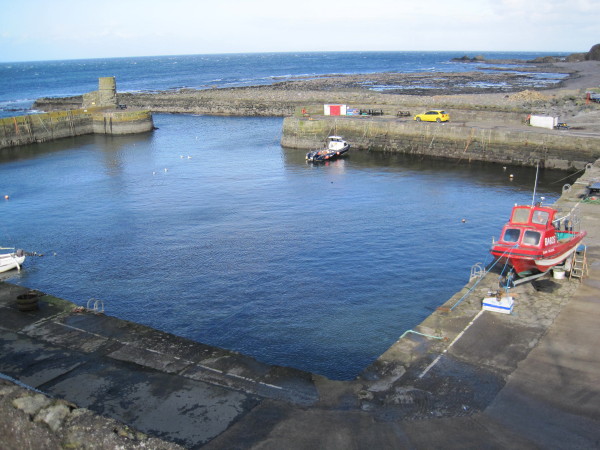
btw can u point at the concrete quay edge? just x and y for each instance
(469, 379)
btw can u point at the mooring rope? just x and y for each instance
(478, 281)
(569, 176)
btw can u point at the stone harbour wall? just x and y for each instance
(129, 122)
(22, 130)
(206, 102)
(505, 146)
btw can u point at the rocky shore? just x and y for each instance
(32, 420)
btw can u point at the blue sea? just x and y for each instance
(23, 82)
(207, 228)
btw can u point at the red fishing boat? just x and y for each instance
(535, 239)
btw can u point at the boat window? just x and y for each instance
(531, 238)
(520, 215)
(540, 217)
(511, 235)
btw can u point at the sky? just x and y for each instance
(39, 30)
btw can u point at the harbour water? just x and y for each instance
(208, 229)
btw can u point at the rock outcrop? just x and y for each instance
(593, 54)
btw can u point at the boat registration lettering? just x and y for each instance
(550, 240)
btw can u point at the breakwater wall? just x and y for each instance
(223, 103)
(21, 130)
(218, 102)
(499, 145)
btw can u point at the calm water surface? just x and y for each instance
(208, 229)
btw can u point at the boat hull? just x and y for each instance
(10, 261)
(326, 155)
(527, 262)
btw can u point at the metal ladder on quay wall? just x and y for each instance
(579, 267)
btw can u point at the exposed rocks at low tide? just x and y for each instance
(276, 99)
(34, 420)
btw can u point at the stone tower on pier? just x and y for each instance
(104, 97)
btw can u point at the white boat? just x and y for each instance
(336, 147)
(12, 260)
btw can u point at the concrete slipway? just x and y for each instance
(470, 379)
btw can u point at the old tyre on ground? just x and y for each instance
(28, 302)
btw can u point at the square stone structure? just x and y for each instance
(104, 97)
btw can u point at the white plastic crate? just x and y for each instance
(502, 305)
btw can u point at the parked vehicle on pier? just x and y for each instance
(11, 260)
(336, 147)
(434, 115)
(535, 239)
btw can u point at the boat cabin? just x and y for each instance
(336, 143)
(534, 226)
(535, 239)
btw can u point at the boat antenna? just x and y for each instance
(537, 169)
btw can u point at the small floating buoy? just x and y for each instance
(166, 170)
(504, 168)
(6, 197)
(464, 220)
(153, 173)
(511, 176)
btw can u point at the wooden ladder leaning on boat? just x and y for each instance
(579, 267)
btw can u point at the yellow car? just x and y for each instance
(434, 115)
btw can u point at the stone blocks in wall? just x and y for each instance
(104, 97)
(445, 141)
(107, 92)
(127, 122)
(90, 99)
(33, 128)
(22, 130)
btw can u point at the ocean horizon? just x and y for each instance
(21, 83)
(464, 52)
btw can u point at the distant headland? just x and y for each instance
(592, 55)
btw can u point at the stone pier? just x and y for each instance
(509, 144)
